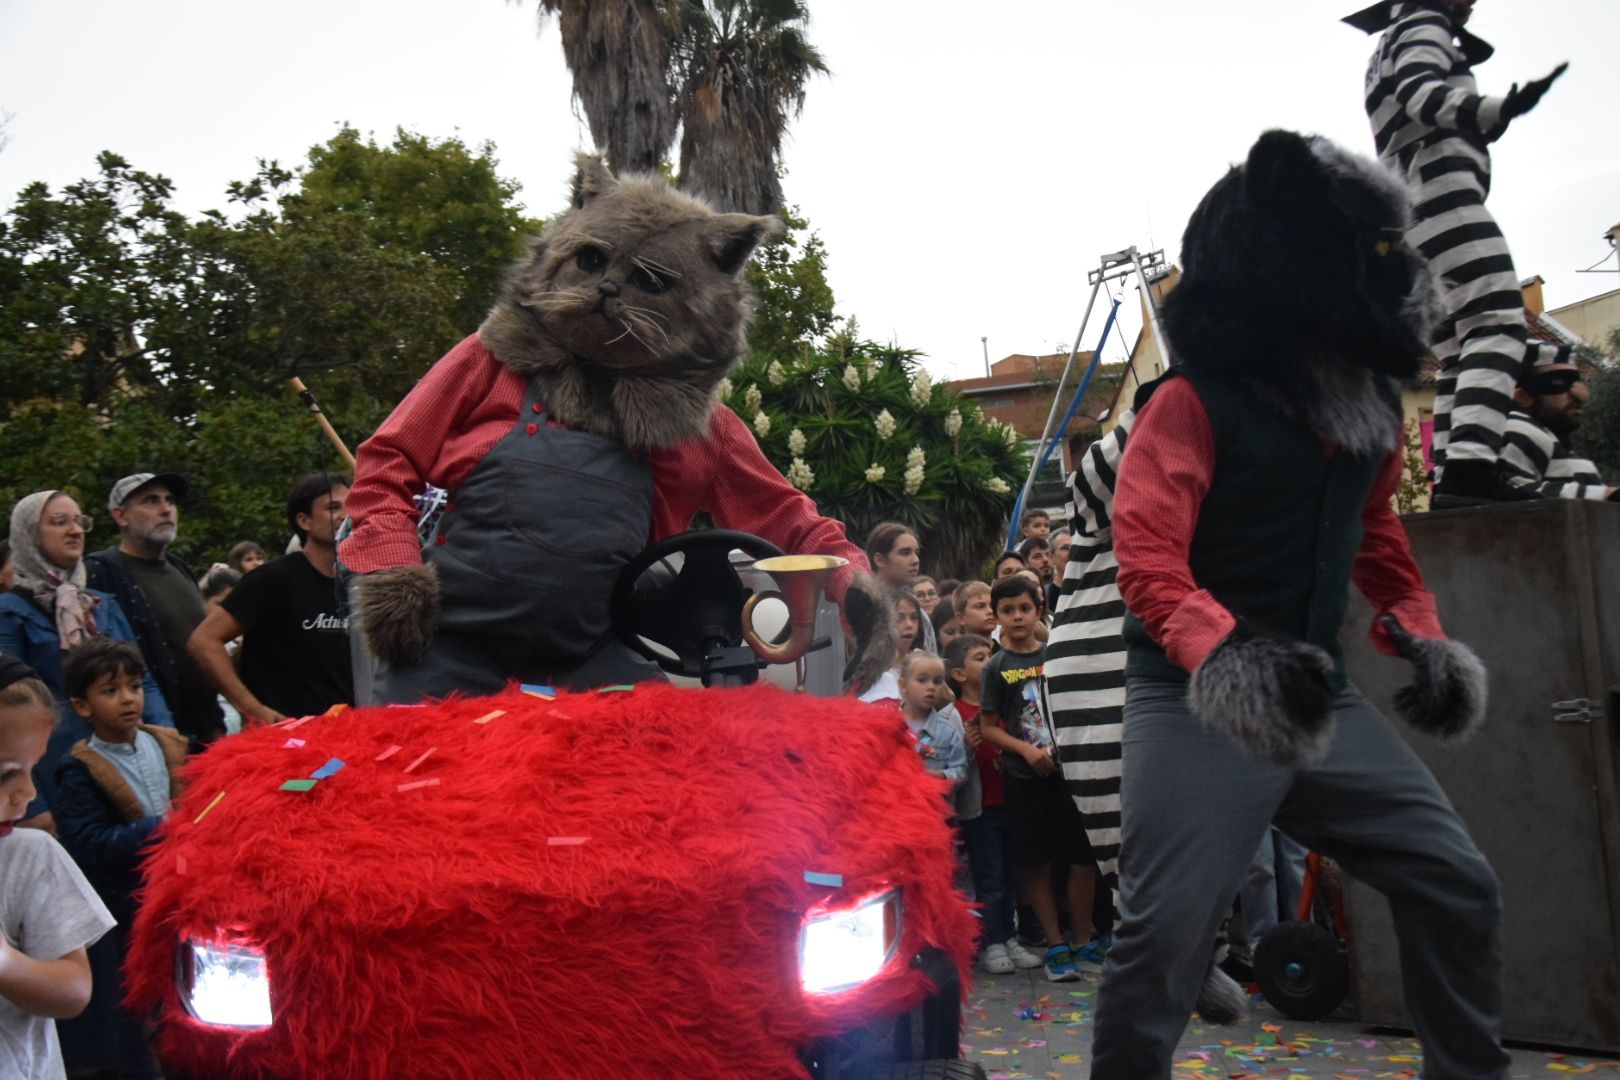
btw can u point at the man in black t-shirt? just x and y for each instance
(295, 644)
(158, 593)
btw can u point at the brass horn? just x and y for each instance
(800, 579)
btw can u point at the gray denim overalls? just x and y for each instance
(527, 552)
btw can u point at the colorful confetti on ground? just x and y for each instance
(1021, 1027)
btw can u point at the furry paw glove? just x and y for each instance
(1221, 1000)
(1448, 692)
(1268, 694)
(398, 610)
(869, 611)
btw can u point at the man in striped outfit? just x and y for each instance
(1431, 123)
(1549, 401)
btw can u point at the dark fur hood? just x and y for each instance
(1298, 279)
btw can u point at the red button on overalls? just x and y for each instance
(532, 428)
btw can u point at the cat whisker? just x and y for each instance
(628, 329)
(653, 323)
(653, 267)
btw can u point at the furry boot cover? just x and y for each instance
(1268, 694)
(1448, 694)
(870, 611)
(398, 610)
(1221, 1000)
(604, 885)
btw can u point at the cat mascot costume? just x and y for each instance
(1255, 488)
(579, 424)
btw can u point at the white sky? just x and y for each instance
(965, 168)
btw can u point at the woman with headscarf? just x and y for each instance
(49, 610)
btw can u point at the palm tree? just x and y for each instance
(744, 64)
(620, 54)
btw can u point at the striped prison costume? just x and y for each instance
(1085, 655)
(1430, 123)
(1542, 458)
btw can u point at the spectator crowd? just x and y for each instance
(116, 664)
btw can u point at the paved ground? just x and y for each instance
(1020, 1025)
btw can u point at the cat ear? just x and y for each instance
(733, 237)
(1282, 171)
(591, 178)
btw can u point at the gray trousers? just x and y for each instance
(1195, 808)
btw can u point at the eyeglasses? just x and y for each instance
(62, 521)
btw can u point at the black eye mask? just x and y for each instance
(1552, 383)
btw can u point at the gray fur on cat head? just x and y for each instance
(629, 308)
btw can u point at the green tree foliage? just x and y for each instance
(133, 338)
(1599, 435)
(795, 302)
(1412, 493)
(434, 198)
(863, 430)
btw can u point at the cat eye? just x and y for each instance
(591, 260)
(647, 281)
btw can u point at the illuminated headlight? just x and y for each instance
(840, 948)
(225, 982)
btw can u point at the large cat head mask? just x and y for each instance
(1297, 277)
(629, 308)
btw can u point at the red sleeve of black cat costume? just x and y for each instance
(1167, 470)
(1385, 571)
(447, 423)
(745, 491)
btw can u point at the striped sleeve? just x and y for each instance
(1420, 55)
(1091, 488)
(1536, 453)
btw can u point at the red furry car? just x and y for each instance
(655, 882)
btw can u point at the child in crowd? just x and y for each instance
(939, 741)
(1046, 825)
(972, 601)
(988, 842)
(926, 590)
(112, 790)
(48, 911)
(245, 557)
(1035, 523)
(947, 625)
(908, 618)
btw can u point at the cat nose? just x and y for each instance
(608, 288)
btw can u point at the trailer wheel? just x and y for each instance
(1302, 970)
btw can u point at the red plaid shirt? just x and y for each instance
(468, 402)
(1168, 467)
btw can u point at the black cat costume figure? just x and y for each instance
(1256, 485)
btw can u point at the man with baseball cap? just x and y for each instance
(159, 594)
(1547, 410)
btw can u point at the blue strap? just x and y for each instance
(1074, 407)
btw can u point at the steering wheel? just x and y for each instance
(688, 610)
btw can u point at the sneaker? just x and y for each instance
(1020, 956)
(995, 961)
(1060, 965)
(1090, 956)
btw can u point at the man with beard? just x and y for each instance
(160, 595)
(1549, 400)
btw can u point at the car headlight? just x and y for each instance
(224, 981)
(842, 947)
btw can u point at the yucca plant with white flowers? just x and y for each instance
(865, 432)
